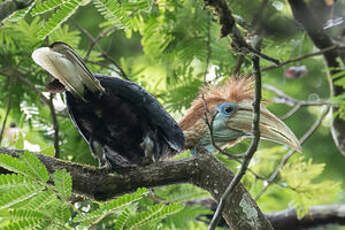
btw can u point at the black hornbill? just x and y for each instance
(122, 123)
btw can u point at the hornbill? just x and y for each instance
(122, 123)
(230, 114)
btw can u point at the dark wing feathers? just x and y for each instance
(144, 101)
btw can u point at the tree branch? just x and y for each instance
(55, 126)
(228, 27)
(9, 104)
(318, 216)
(93, 43)
(305, 56)
(202, 170)
(229, 192)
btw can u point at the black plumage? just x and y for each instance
(122, 123)
(120, 119)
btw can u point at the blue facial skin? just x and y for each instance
(221, 132)
(227, 109)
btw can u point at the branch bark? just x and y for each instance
(202, 170)
(317, 216)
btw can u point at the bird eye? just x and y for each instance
(228, 109)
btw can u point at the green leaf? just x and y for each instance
(125, 199)
(46, 6)
(305, 190)
(71, 37)
(30, 224)
(12, 197)
(122, 219)
(166, 211)
(181, 193)
(13, 181)
(63, 183)
(66, 10)
(22, 214)
(144, 217)
(34, 167)
(62, 213)
(12, 164)
(112, 11)
(41, 200)
(110, 206)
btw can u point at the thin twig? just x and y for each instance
(291, 112)
(209, 50)
(228, 27)
(94, 41)
(321, 52)
(49, 102)
(287, 156)
(111, 60)
(250, 152)
(105, 66)
(279, 93)
(290, 101)
(55, 126)
(238, 65)
(103, 53)
(8, 109)
(18, 75)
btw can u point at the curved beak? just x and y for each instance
(271, 127)
(65, 65)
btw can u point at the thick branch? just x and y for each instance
(318, 216)
(202, 170)
(228, 27)
(229, 192)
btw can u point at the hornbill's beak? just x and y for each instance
(271, 127)
(65, 65)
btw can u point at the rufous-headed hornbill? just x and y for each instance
(122, 123)
(230, 108)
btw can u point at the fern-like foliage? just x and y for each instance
(26, 200)
(42, 7)
(13, 181)
(65, 11)
(154, 213)
(20, 194)
(122, 220)
(27, 165)
(112, 11)
(34, 167)
(305, 189)
(181, 193)
(63, 183)
(109, 207)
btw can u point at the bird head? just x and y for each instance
(230, 114)
(68, 68)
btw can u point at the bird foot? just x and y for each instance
(148, 147)
(104, 164)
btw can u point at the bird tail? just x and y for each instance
(61, 61)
